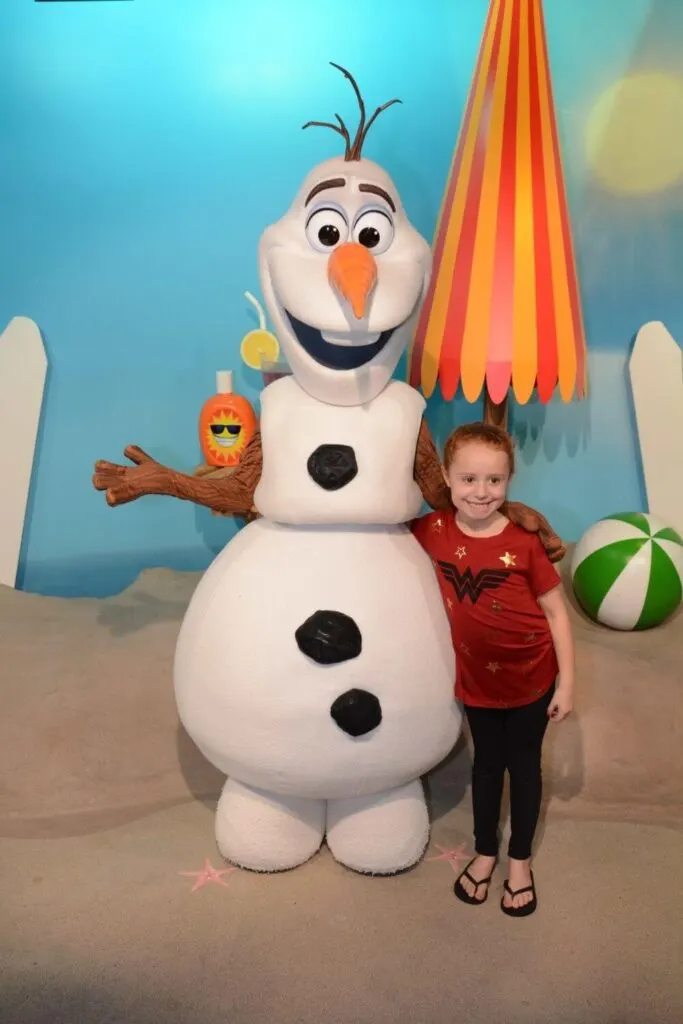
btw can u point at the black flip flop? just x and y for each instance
(462, 893)
(528, 908)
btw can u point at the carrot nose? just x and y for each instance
(352, 270)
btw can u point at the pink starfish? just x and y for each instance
(207, 874)
(453, 856)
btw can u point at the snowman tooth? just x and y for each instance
(352, 338)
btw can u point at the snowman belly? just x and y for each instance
(267, 713)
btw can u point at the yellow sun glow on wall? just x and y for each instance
(634, 134)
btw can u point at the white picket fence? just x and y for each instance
(23, 369)
(656, 370)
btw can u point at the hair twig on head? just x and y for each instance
(352, 150)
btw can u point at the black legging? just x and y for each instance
(507, 738)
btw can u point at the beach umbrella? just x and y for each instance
(503, 310)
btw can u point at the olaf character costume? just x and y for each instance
(314, 666)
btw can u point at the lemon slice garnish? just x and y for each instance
(259, 347)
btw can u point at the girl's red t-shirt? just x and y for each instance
(504, 649)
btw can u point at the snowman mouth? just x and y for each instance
(338, 351)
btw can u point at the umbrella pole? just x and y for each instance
(495, 414)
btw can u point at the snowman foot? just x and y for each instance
(263, 831)
(380, 834)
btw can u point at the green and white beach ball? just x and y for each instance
(627, 571)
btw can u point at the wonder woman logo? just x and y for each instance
(466, 584)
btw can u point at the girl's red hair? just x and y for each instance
(483, 433)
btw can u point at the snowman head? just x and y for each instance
(343, 274)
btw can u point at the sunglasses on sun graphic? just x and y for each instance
(217, 429)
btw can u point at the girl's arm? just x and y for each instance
(555, 608)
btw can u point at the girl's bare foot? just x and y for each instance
(519, 877)
(480, 869)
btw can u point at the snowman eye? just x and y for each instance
(375, 230)
(326, 228)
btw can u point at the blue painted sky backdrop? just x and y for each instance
(145, 146)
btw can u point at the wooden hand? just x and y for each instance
(122, 484)
(230, 495)
(533, 522)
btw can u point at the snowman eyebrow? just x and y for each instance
(340, 182)
(376, 190)
(331, 183)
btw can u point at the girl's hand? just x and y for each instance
(561, 704)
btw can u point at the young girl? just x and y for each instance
(514, 650)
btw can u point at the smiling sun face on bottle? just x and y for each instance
(226, 438)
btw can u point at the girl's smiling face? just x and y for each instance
(478, 478)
